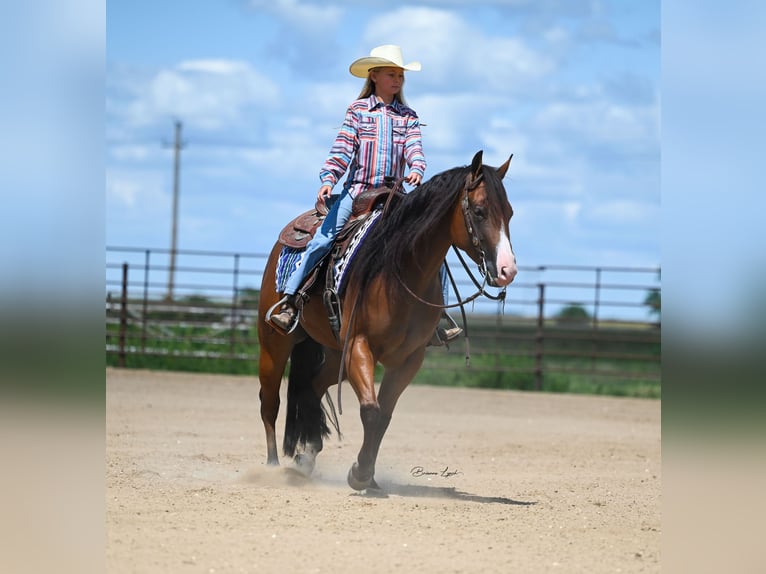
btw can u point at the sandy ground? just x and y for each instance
(510, 482)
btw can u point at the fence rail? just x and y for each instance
(208, 311)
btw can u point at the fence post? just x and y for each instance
(235, 289)
(539, 338)
(594, 329)
(145, 302)
(123, 316)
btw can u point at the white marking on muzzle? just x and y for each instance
(505, 262)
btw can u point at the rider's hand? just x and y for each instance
(324, 192)
(413, 178)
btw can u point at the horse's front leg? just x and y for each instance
(395, 380)
(360, 367)
(361, 475)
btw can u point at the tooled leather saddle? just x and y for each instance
(300, 230)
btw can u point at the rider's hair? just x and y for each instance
(369, 88)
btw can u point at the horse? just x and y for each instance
(391, 305)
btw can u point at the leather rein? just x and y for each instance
(477, 242)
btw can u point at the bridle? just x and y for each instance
(476, 241)
(470, 225)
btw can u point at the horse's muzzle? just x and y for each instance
(503, 270)
(506, 275)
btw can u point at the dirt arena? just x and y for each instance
(474, 481)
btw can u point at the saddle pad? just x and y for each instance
(290, 258)
(344, 261)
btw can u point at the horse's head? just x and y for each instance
(486, 215)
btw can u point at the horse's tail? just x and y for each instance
(306, 420)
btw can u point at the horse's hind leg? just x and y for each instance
(275, 349)
(314, 418)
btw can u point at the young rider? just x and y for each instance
(379, 138)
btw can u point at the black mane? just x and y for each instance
(410, 221)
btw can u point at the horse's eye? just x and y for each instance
(480, 212)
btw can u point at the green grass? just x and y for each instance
(616, 360)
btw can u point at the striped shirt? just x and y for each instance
(376, 140)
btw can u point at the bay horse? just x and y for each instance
(386, 317)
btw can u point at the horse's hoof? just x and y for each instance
(354, 482)
(304, 463)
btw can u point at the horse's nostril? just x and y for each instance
(508, 273)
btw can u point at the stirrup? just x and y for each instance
(279, 328)
(451, 334)
(438, 339)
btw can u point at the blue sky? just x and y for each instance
(572, 89)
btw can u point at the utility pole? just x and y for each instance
(177, 146)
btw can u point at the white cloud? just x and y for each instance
(141, 191)
(130, 152)
(602, 121)
(213, 66)
(456, 55)
(451, 119)
(625, 212)
(571, 210)
(210, 93)
(303, 14)
(123, 192)
(513, 85)
(330, 99)
(557, 35)
(546, 214)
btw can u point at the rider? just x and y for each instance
(380, 135)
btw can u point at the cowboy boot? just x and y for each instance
(286, 316)
(438, 339)
(451, 333)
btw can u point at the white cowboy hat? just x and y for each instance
(382, 56)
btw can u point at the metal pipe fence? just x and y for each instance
(557, 322)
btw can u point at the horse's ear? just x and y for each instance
(504, 168)
(476, 164)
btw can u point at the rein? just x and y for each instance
(498, 297)
(419, 299)
(395, 188)
(477, 242)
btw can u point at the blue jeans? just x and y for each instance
(322, 241)
(445, 283)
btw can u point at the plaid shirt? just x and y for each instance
(376, 140)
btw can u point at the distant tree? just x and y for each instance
(653, 300)
(248, 297)
(195, 299)
(573, 314)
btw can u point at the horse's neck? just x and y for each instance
(428, 254)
